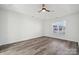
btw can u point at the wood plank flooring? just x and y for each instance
(40, 46)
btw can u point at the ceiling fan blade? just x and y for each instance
(48, 10)
(39, 10)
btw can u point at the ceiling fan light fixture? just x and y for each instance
(43, 9)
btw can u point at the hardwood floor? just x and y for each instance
(40, 46)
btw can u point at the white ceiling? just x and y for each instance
(32, 9)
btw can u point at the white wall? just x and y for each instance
(72, 28)
(15, 27)
(3, 27)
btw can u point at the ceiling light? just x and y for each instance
(44, 9)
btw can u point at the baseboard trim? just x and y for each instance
(61, 39)
(20, 41)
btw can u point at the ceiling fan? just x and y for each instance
(44, 9)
